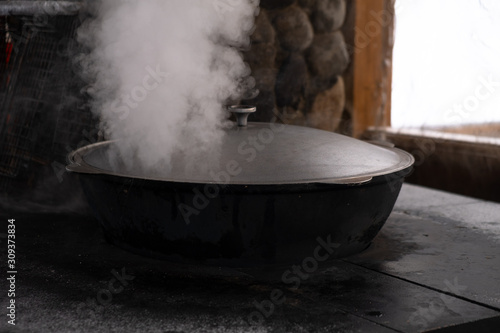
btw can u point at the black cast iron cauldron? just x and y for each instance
(280, 191)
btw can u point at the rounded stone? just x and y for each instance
(293, 116)
(291, 81)
(293, 29)
(307, 5)
(317, 84)
(264, 31)
(327, 56)
(261, 56)
(275, 4)
(265, 78)
(328, 106)
(328, 15)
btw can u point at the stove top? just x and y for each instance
(435, 266)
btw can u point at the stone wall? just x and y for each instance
(298, 55)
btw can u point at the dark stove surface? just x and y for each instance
(434, 266)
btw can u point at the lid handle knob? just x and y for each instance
(242, 112)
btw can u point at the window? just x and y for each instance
(446, 63)
(445, 98)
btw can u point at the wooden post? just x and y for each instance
(372, 62)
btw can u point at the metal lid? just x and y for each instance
(267, 153)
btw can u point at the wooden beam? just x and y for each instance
(372, 61)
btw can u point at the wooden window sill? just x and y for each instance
(459, 163)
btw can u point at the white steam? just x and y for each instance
(162, 72)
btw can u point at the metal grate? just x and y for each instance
(42, 113)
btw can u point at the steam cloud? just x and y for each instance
(161, 73)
